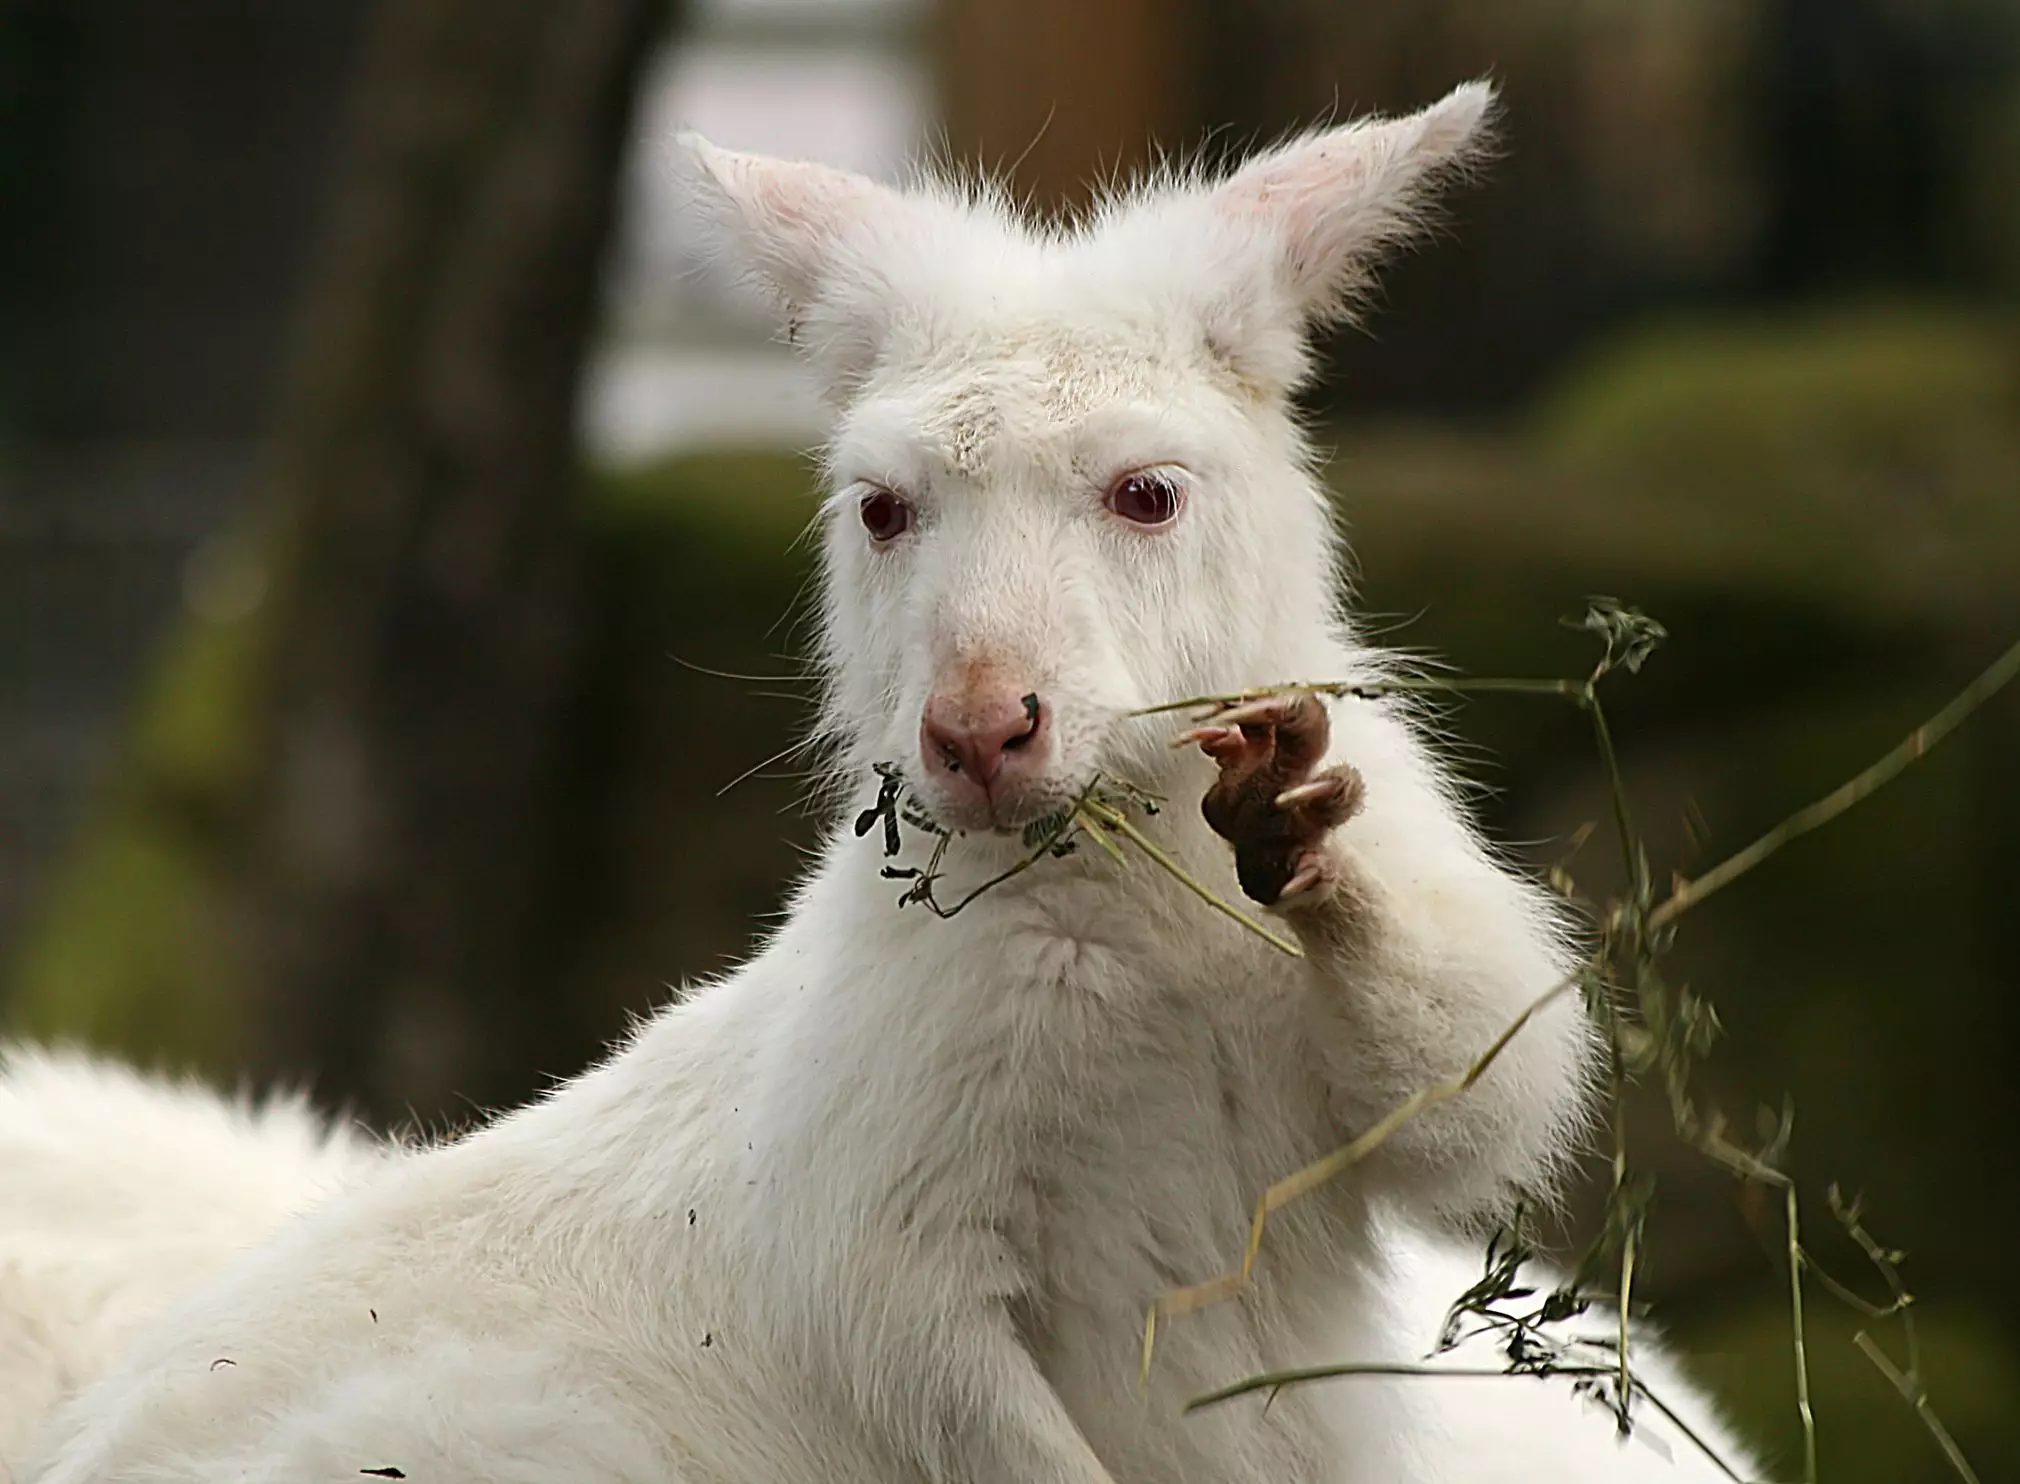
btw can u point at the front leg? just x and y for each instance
(929, 1350)
(1014, 1428)
(1275, 803)
(1424, 949)
(961, 1394)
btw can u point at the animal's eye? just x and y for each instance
(1146, 498)
(885, 516)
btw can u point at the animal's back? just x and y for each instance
(121, 1193)
(493, 1309)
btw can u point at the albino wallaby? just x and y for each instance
(890, 1201)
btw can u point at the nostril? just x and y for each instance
(944, 745)
(970, 741)
(1034, 714)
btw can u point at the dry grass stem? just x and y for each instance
(1655, 1029)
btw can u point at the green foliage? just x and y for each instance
(750, 505)
(1630, 636)
(134, 952)
(1789, 446)
(1851, 398)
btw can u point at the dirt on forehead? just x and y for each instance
(1027, 383)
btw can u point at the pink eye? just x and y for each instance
(1146, 498)
(885, 516)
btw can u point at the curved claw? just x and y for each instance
(1273, 802)
(1249, 713)
(1201, 734)
(1307, 877)
(1307, 793)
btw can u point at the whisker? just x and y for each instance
(798, 606)
(756, 768)
(800, 679)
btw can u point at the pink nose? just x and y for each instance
(978, 739)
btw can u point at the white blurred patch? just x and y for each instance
(686, 361)
(644, 402)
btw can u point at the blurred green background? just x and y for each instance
(378, 481)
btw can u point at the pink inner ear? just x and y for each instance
(1311, 203)
(791, 215)
(799, 198)
(1333, 203)
(1300, 183)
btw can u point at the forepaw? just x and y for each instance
(1272, 801)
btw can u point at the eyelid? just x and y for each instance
(854, 491)
(1167, 469)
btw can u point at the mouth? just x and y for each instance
(1027, 818)
(902, 801)
(1125, 766)
(1004, 817)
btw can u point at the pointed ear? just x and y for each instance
(819, 240)
(1331, 204)
(1304, 226)
(789, 223)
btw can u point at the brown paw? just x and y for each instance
(1272, 801)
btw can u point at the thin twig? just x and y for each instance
(1372, 690)
(1714, 1144)
(1294, 1186)
(1093, 830)
(1627, 1252)
(1799, 1339)
(923, 891)
(1121, 823)
(1912, 1392)
(1303, 1375)
(1888, 1265)
(1275, 1381)
(1632, 858)
(1910, 1384)
(1884, 770)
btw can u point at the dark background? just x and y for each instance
(339, 738)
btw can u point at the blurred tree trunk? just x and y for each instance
(402, 890)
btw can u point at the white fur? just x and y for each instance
(118, 1195)
(888, 1203)
(1475, 1429)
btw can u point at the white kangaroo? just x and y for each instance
(890, 1201)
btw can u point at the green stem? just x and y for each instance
(1116, 820)
(1881, 772)
(1800, 1342)
(1370, 690)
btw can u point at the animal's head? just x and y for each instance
(1066, 478)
